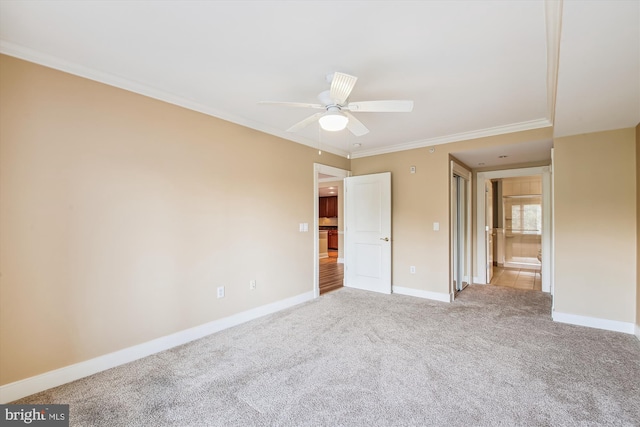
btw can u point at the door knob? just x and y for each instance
(386, 239)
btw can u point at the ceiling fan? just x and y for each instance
(337, 111)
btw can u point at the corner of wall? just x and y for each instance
(638, 231)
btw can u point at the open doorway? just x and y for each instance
(329, 228)
(517, 232)
(520, 228)
(460, 227)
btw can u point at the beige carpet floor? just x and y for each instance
(353, 358)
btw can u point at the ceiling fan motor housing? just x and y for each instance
(325, 98)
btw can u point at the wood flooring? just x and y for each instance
(331, 273)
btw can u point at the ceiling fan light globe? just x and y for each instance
(333, 122)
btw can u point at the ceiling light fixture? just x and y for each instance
(333, 120)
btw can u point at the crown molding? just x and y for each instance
(553, 22)
(50, 61)
(464, 136)
(21, 52)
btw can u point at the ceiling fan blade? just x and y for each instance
(292, 104)
(395, 106)
(304, 123)
(341, 87)
(355, 126)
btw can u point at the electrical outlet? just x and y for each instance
(252, 284)
(220, 291)
(412, 269)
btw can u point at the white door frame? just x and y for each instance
(547, 225)
(340, 174)
(463, 172)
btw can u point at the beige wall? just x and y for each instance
(419, 200)
(638, 230)
(595, 225)
(120, 215)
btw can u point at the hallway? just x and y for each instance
(519, 278)
(331, 273)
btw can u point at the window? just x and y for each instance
(526, 215)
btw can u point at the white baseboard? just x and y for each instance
(526, 265)
(638, 331)
(324, 255)
(594, 322)
(340, 260)
(438, 296)
(16, 390)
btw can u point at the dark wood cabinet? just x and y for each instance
(328, 207)
(332, 206)
(332, 239)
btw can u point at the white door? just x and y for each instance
(368, 232)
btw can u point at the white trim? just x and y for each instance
(464, 136)
(332, 179)
(594, 322)
(547, 225)
(437, 296)
(530, 266)
(28, 386)
(547, 230)
(553, 21)
(340, 260)
(552, 245)
(461, 171)
(458, 169)
(50, 61)
(638, 331)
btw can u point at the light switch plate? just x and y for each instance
(436, 226)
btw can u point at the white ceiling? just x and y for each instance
(473, 68)
(327, 185)
(599, 75)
